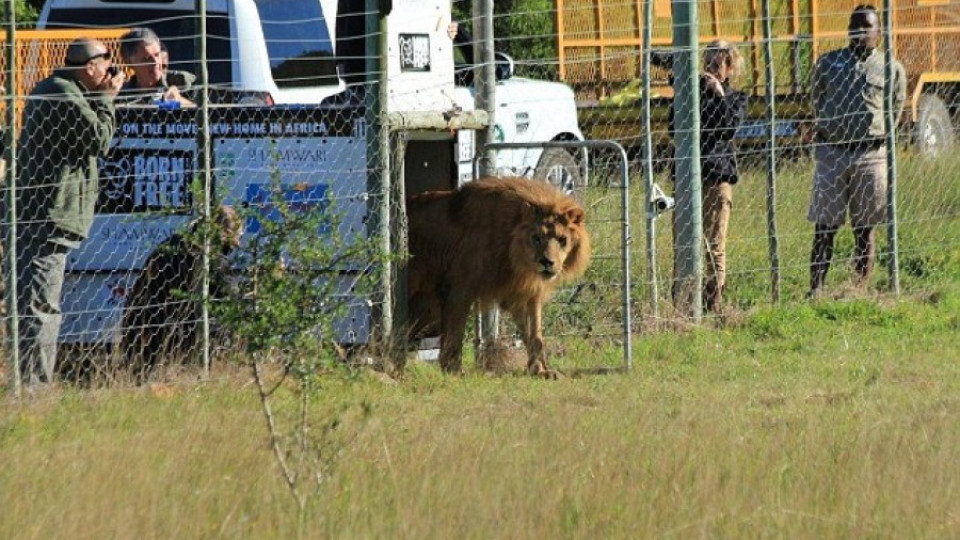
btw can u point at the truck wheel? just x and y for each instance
(560, 168)
(933, 133)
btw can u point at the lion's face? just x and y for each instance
(230, 227)
(550, 238)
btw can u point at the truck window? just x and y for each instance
(298, 42)
(176, 29)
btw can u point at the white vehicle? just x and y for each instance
(283, 52)
(252, 46)
(278, 59)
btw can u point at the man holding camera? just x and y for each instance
(68, 122)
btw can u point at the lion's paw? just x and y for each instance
(551, 374)
(543, 372)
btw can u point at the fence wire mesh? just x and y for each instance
(277, 135)
(601, 51)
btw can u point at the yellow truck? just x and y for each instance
(601, 49)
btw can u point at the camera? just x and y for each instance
(113, 71)
(660, 202)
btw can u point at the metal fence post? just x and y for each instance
(648, 212)
(485, 81)
(890, 123)
(771, 91)
(10, 144)
(204, 150)
(688, 226)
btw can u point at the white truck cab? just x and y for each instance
(278, 50)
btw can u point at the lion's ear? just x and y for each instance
(575, 215)
(527, 212)
(532, 212)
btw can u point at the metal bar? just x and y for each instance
(771, 98)
(204, 149)
(715, 15)
(794, 37)
(642, 22)
(890, 123)
(815, 35)
(486, 98)
(688, 224)
(601, 31)
(649, 214)
(561, 42)
(10, 141)
(755, 51)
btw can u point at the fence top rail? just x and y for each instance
(557, 144)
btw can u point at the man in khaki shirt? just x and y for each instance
(847, 87)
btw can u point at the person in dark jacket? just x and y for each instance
(721, 112)
(162, 316)
(68, 122)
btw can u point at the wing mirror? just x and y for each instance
(503, 66)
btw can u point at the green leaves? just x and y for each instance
(291, 272)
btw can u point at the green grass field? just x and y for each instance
(928, 217)
(831, 419)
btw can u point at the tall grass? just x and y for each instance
(826, 420)
(831, 419)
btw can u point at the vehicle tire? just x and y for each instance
(933, 133)
(561, 169)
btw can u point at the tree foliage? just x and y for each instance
(27, 12)
(524, 29)
(287, 298)
(288, 292)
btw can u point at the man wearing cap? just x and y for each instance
(68, 122)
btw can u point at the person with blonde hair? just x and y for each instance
(721, 112)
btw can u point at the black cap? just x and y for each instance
(83, 50)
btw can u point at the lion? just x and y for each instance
(504, 242)
(161, 321)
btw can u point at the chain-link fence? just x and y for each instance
(118, 218)
(276, 128)
(790, 128)
(104, 215)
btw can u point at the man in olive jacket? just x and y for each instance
(68, 122)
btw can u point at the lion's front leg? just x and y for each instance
(453, 325)
(529, 319)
